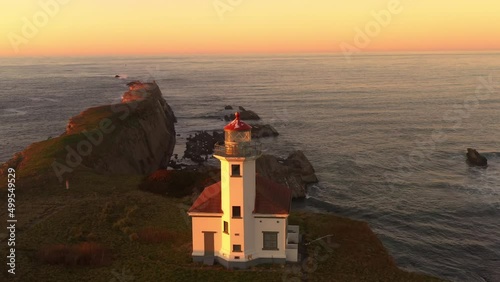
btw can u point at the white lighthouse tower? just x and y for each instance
(242, 220)
(237, 158)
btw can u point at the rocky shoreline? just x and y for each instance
(295, 172)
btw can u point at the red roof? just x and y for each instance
(270, 198)
(208, 201)
(237, 124)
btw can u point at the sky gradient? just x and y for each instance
(91, 27)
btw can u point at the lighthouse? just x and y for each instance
(242, 220)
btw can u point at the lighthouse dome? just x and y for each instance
(237, 124)
(238, 141)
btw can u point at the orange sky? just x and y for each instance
(91, 27)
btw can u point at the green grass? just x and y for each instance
(35, 168)
(108, 210)
(351, 253)
(91, 117)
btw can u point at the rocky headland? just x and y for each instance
(134, 136)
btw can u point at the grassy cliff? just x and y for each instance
(136, 136)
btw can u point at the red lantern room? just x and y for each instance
(238, 140)
(237, 131)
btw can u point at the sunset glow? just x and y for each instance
(73, 27)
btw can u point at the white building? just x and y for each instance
(242, 220)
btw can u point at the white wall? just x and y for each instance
(238, 191)
(200, 224)
(225, 202)
(270, 225)
(249, 204)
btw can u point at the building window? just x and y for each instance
(270, 240)
(236, 248)
(235, 170)
(226, 227)
(236, 211)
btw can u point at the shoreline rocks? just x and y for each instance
(200, 146)
(244, 115)
(263, 130)
(294, 172)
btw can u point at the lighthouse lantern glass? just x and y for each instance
(238, 136)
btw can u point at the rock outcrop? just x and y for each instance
(263, 130)
(146, 145)
(244, 115)
(295, 172)
(475, 159)
(135, 136)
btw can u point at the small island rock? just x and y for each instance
(244, 115)
(475, 159)
(263, 130)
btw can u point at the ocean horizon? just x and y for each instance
(386, 133)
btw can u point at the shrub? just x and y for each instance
(155, 235)
(86, 253)
(177, 183)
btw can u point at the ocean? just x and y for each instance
(386, 133)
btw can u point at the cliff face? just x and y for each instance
(135, 136)
(295, 172)
(144, 136)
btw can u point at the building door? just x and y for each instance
(209, 244)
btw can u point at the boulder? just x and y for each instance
(299, 164)
(244, 115)
(296, 172)
(475, 159)
(228, 107)
(263, 130)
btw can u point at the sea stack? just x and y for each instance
(475, 159)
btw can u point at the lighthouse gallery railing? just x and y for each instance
(238, 150)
